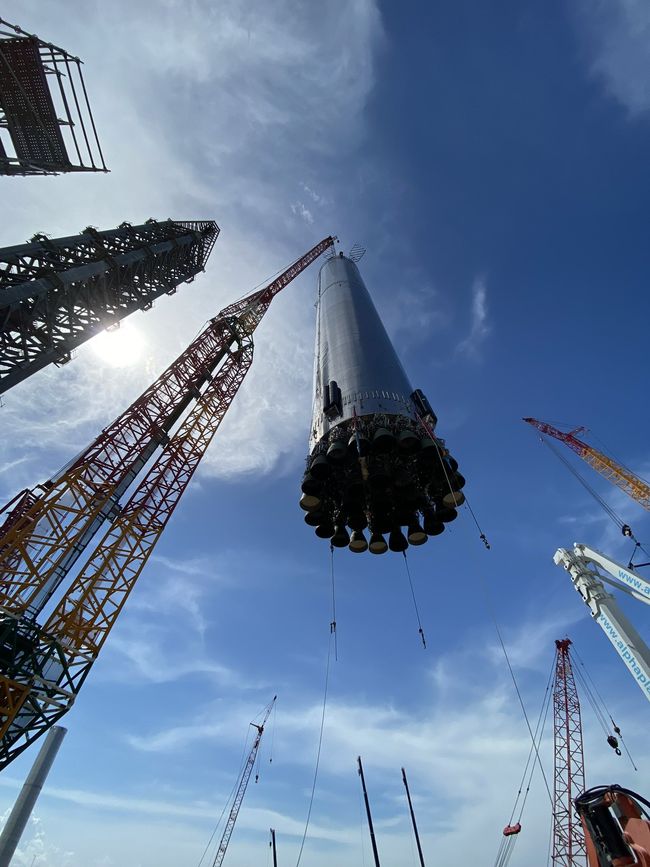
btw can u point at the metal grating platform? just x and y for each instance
(46, 124)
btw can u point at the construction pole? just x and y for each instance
(275, 854)
(365, 798)
(415, 827)
(19, 816)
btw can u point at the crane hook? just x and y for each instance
(613, 742)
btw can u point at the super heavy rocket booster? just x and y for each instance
(374, 459)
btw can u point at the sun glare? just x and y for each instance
(119, 347)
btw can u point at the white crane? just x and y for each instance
(589, 571)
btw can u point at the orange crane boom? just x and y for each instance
(42, 668)
(610, 469)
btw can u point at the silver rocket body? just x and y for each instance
(354, 350)
(374, 458)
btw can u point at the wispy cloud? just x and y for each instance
(35, 850)
(252, 82)
(145, 658)
(313, 195)
(617, 33)
(301, 210)
(162, 636)
(480, 327)
(318, 198)
(465, 747)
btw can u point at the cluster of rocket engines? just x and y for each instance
(375, 466)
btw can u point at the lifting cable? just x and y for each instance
(585, 484)
(275, 710)
(228, 800)
(332, 641)
(258, 759)
(601, 711)
(516, 685)
(320, 744)
(362, 828)
(506, 849)
(415, 604)
(539, 732)
(550, 840)
(482, 535)
(509, 840)
(620, 523)
(333, 621)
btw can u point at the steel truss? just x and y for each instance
(57, 293)
(48, 529)
(44, 109)
(568, 838)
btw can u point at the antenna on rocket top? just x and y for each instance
(357, 252)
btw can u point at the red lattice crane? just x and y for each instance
(610, 469)
(569, 775)
(46, 530)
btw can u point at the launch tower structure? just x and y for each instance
(57, 293)
(46, 123)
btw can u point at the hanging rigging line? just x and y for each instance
(228, 800)
(333, 622)
(509, 840)
(620, 523)
(608, 509)
(601, 711)
(415, 604)
(482, 535)
(516, 685)
(320, 744)
(539, 732)
(275, 710)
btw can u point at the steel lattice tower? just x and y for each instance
(569, 781)
(57, 293)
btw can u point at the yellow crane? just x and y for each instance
(610, 469)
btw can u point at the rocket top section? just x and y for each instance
(354, 352)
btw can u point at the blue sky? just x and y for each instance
(493, 161)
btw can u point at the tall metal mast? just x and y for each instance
(43, 668)
(368, 813)
(26, 800)
(415, 827)
(610, 469)
(275, 854)
(57, 293)
(241, 788)
(569, 780)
